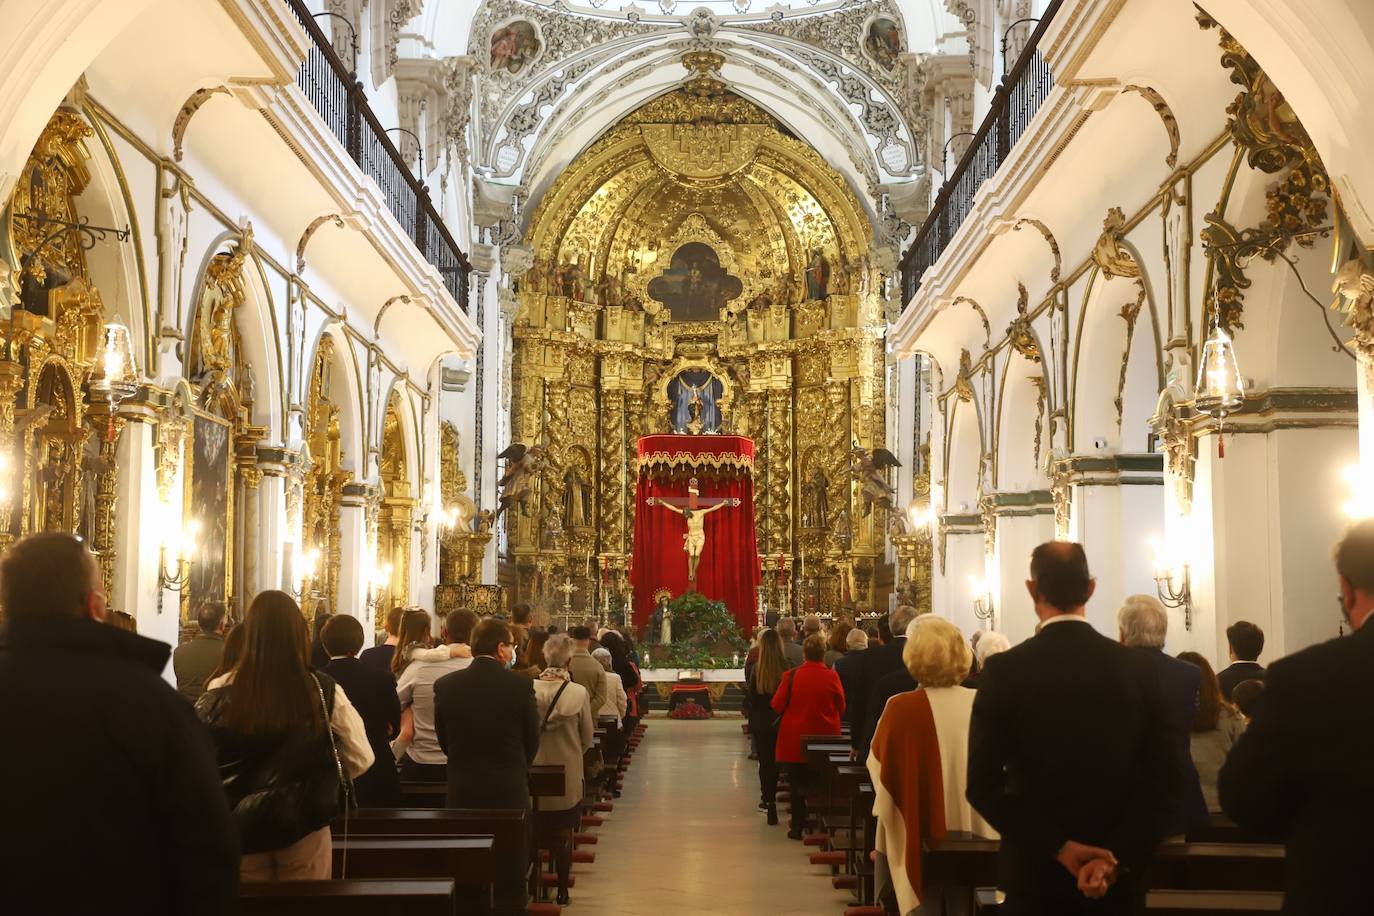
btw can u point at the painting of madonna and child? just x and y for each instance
(695, 287)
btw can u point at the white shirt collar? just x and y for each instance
(1060, 618)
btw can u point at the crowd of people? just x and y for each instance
(170, 797)
(1082, 752)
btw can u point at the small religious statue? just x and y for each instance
(523, 464)
(896, 525)
(654, 627)
(868, 466)
(577, 499)
(817, 276)
(815, 500)
(695, 512)
(665, 635)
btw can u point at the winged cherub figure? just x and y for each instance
(869, 467)
(523, 464)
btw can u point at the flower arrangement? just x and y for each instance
(704, 635)
(689, 709)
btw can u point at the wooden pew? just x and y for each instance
(347, 898)
(960, 860)
(468, 861)
(507, 827)
(988, 902)
(544, 780)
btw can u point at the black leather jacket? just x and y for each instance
(281, 786)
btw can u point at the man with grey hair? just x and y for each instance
(1304, 768)
(1143, 625)
(855, 640)
(791, 649)
(811, 625)
(847, 665)
(866, 705)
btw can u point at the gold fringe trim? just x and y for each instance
(689, 460)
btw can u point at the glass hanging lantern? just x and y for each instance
(1220, 390)
(116, 369)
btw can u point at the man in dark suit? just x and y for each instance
(1246, 641)
(373, 693)
(1144, 625)
(847, 665)
(149, 822)
(1304, 769)
(877, 663)
(487, 724)
(1070, 755)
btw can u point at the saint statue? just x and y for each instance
(817, 276)
(577, 499)
(816, 505)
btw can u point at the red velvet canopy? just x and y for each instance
(729, 568)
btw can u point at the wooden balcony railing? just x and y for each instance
(1019, 96)
(341, 102)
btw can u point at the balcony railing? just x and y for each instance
(1022, 91)
(341, 102)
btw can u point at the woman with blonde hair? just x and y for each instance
(761, 677)
(288, 742)
(919, 761)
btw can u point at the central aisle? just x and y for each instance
(687, 838)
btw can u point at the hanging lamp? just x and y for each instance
(1220, 389)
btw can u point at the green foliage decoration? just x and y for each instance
(704, 635)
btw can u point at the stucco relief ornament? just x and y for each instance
(1354, 287)
(1109, 253)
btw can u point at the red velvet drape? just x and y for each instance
(729, 569)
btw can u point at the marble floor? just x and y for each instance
(686, 838)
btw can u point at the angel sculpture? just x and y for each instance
(523, 464)
(869, 467)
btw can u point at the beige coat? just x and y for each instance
(564, 738)
(588, 672)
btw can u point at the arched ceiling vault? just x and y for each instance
(700, 164)
(551, 79)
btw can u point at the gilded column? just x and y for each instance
(780, 471)
(614, 493)
(251, 476)
(756, 405)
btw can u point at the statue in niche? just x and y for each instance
(815, 499)
(763, 301)
(52, 480)
(695, 396)
(695, 287)
(577, 499)
(817, 276)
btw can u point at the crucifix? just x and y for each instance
(694, 509)
(567, 588)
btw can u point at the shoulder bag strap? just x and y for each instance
(549, 712)
(345, 784)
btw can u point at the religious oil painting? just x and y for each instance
(514, 46)
(209, 508)
(883, 42)
(695, 287)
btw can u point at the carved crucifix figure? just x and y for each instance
(694, 509)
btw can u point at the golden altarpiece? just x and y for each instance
(699, 235)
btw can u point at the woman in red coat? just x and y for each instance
(810, 701)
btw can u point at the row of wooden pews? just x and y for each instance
(1218, 869)
(423, 859)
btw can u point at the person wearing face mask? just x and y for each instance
(487, 723)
